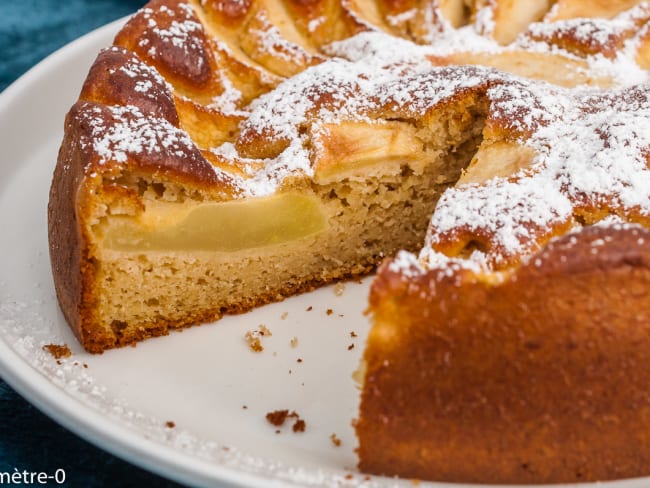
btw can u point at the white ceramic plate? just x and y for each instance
(201, 379)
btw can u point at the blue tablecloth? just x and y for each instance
(29, 31)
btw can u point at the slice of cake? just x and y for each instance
(148, 231)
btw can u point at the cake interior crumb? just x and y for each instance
(339, 288)
(58, 351)
(253, 337)
(335, 440)
(264, 330)
(253, 340)
(279, 417)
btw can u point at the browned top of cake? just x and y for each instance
(236, 98)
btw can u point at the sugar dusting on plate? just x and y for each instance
(25, 329)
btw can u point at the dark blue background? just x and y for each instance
(29, 31)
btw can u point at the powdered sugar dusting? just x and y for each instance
(592, 155)
(503, 215)
(147, 77)
(342, 90)
(229, 101)
(263, 177)
(591, 146)
(131, 132)
(406, 264)
(180, 33)
(609, 46)
(270, 41)
(376, 75)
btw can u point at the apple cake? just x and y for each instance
(492, 154)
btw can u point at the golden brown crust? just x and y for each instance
(64, 231)
(167, 34)
(228, 12)
(90, 122)
(473, 382)
(114, 79)
(68, 208)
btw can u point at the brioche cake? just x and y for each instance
(492, 154)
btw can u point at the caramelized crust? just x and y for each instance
(156, 147)
(501, 383)
(118, 77)
(167, 35)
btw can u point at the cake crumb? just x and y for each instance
(244, 407)
(299, 426)
(264, 330)
(284, 315)
(339, 288)
(294, 342)
(349, 476)
(350, 347)
(279, 417)
(329, 311)
(170, 425)
(335, 440)
(58, 351)
(310, 308)
(253, 337)
(353, 334)
(299, 360)
(85, 366)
